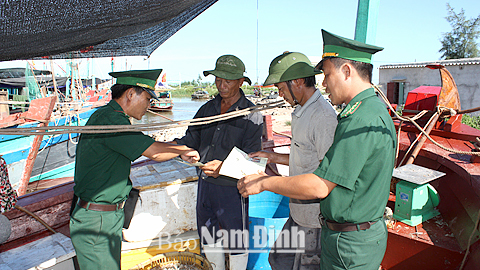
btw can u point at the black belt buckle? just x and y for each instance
(321, 219)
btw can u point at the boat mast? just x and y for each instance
(55, 88)
(367, 16)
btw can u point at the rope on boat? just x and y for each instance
(412, 120)
(70, 134)
(140, 127)
(50, 138)
(35, 217)
(412, 144)
(283, 134)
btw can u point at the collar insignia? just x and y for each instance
(351, 110)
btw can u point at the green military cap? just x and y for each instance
(289, 66)
(147, 79)
(337, 46)
(228, 67)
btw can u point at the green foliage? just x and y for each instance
(473, 121)
(188, 88)
(461, 41)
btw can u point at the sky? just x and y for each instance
(409, 30)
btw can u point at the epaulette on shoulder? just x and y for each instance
(351, 110)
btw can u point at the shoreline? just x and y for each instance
(281, 119)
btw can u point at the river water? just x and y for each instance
(183, 109)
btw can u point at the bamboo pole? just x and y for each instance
(32, 155)
(422, 140)
(55, 88)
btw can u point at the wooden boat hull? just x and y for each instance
(164, 107)
(200, 96)
(166, 194)
(164, 102)
(51, 204)
(56, 155)
(452, 239)
(440, 243)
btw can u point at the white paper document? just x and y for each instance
(238, 164)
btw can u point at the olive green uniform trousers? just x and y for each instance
(97, 237)
(362, 249)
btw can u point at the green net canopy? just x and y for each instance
(60, 29)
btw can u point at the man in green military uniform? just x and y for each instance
(102, 170)
(353, 179)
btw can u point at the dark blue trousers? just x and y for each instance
(219, 210)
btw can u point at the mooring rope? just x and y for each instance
(412, 120)
(140, 127)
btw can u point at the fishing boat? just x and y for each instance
(56, 152)
(164, 102)
(201, 94)
(447, 236)
(435, 194)
(165, 209)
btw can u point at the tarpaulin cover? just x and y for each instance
(6, 73)
(46, 81)
(32, 29)
(17, 78)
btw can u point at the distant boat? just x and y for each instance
(201, 94)
(165, 102)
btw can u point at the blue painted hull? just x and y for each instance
(56, 156)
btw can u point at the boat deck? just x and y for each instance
(441, 242)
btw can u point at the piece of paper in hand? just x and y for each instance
(196, 164)
(238, 164)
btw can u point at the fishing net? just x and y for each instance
(31, 84)
(91, 28)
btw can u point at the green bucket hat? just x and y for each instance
(337, 46)
(289, 66)
(147, 79)
(228, 67)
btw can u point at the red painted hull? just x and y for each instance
(441, 243)
(161, 108)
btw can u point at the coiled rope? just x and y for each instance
(440, 111)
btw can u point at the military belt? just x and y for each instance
(345, 227)
(100, 207)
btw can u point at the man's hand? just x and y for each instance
(263, 154)
(272, 157)
(252, 184)
(190, 155)
(212, 168)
